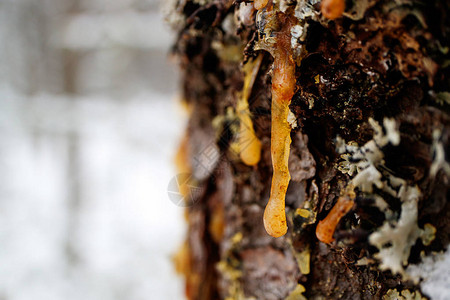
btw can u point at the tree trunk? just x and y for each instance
(369, 126)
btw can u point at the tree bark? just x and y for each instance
(373, 80)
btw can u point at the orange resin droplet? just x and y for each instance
(283, 87)
(332, 9)
(259, 4)
(325, 229)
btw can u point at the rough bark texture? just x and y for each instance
(382, 59)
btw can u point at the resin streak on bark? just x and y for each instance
(325, 229)
(283, 86)
(249, 144)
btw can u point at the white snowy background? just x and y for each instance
(89, 124)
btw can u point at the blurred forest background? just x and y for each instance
(89, 125)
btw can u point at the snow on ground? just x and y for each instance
(84, 211)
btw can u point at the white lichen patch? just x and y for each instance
(365, 160)
(392, 135)
(245, 14)
(393, 294)
(438, 152)
(296, 33)
(305, 9)
(292, 120)
(366, 178)
(428, 234)
(381, 204)
(395, 237)
(284, 4)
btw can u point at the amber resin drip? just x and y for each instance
(283, 86)
(325, 229)
(249, 144)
